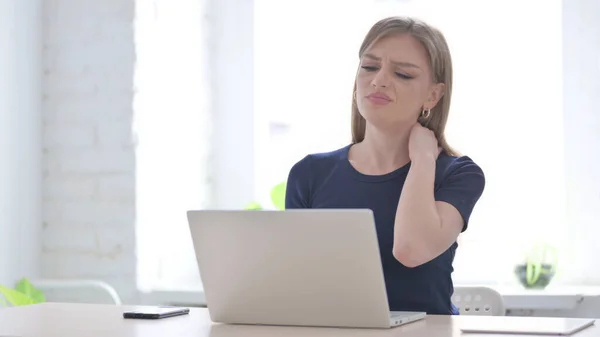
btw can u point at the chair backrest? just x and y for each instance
(480, 301)
(77, 291)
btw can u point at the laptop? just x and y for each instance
(309, 267)
(527, 325)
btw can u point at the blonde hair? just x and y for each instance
(440, 63)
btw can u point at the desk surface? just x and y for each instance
(91, 320)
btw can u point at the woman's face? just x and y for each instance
(394, 83)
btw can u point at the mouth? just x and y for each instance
(379, 98)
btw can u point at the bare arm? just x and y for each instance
(424, 228)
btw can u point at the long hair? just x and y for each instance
(440, 63)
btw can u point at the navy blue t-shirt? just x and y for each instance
(328, 180)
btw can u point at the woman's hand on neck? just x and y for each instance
(422, 144)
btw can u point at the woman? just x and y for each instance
(399, 164)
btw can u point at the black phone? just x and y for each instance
(156, 312)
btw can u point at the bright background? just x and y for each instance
(118, 116)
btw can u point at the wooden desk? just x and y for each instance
(91, 320)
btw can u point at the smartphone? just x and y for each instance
(156, 312)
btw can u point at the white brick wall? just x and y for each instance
(89, 178)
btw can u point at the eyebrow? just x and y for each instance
(402, 64)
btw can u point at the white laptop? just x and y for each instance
(309, 267)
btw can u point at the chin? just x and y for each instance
(386, 120)
(386, 125)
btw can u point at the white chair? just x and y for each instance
(479, 301)
(91, 287)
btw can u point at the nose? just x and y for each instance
(381, 79)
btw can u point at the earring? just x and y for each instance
(425, 113)
(354, 95)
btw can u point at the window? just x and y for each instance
(506, 114)
(172, 124)
(505, 87)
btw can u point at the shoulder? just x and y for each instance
(308, 173)
(459, 182)
(315, 163)
(459, 168)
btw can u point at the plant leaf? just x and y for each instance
(15, 298)
(278, 195)
(3, 302)
(25, 287)
(253, 206)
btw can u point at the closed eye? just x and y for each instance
(369, 68)
(401, 75)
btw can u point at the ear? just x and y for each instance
(435, 94)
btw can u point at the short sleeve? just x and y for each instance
(462, 186)
(297, 193)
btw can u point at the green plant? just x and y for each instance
(277, 198)
(539, 267)
(24, 293)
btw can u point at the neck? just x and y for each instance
(384, 151)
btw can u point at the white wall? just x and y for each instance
(233, 83)
(20, 139)
(581, 59)
(89, 158)
(89, 150)
(89, 146)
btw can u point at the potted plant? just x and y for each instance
(538, 269)
(24, 293)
